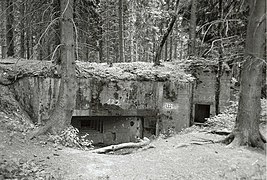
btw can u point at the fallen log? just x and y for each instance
(142, 143)
(220, 132)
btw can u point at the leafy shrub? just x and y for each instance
(69, 137)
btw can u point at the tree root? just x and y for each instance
(262, 136)
(201, 141)
(228, 139)
(40, 130)
(235, 140)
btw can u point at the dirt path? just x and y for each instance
(166, 161)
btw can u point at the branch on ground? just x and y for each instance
(140, 144)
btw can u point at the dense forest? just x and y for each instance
(150, 31)
(121, 68)
(127, 31)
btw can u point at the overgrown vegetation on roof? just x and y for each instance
(12, 69)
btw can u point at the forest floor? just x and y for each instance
(167, 159)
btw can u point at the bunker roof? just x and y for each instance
(136, 71)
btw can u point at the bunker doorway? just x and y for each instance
(202, 111)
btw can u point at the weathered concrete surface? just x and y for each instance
(118, 98)
(225, 93)
(176, 107)
(164, 97)
(110, 130)
(204, 92)
(205, 88)
(162, 105)
(37, 95)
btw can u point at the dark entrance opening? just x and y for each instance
(109, 129)
(202, 111)
(86, 123)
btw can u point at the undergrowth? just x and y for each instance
(70, 137)
(225, 121)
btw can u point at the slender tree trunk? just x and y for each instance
(136, 51)
(154, 48)
(22, 30)
(109, 61)
(32, 44)
(264, 83)
(3, 29)
(177, 37)
(28, 44)
(181, 51)
(171, 41)
(121, 44)
(192, 33)
(28, 8)
(22, 42)
(131, 46)
(28, 30)
(246, 130)
(165, 36)
(101, 45)
(132, 30)
(220, 61)
(166, 50)
(175, 49)
(62, 113)
(10, 28)
(166, 42)
(56, 42)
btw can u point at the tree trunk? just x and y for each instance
(28, 31)
(177, 37)
(246, 130)
(100, 49)
(121, 44)
(62, 113)
(175, 50)
(171, 44)
(10, 28)
(136, 51)
(181, 51)
(264, 83)
(165, 36)
(220, 61)
(28, 55)
(56, 42)
(22, 31)
(107, 42)
(3, 30)
(132, 30)
(166, 42)
(166, 49)
(192, 33)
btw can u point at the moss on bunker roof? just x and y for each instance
(141, 71)
(136, 71)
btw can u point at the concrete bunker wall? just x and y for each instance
(204, 92)
(126, 109)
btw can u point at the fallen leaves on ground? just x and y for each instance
(22, 169)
